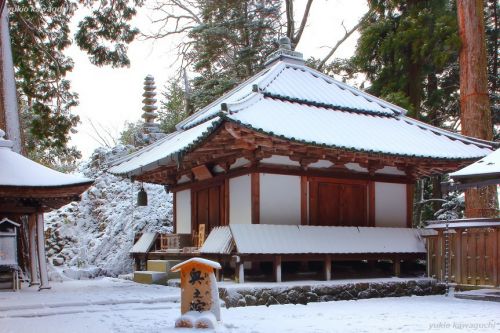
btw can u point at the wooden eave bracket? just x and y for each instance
(201, 172)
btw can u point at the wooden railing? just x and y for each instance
(473, 256)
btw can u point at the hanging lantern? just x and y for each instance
(142, 197)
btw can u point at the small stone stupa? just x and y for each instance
(150, 130)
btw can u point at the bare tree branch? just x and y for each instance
(305, 16)
(347, 34)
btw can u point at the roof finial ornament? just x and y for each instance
(285, 53)
(285, 43)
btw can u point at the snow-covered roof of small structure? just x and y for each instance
(299, 239)
(6, 220)
(19, 171)
(291, 101)
(200, 261)
(145, 242)
(487, 166)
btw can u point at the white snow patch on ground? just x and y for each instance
(94, 236)
(112, 305)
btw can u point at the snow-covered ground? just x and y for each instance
(113, 305)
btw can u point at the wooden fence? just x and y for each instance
(474, 255)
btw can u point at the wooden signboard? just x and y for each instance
(199, 292)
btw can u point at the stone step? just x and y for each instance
(163, 266)
(150, 277)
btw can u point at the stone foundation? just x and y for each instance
(302, 294)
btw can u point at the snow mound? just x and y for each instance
(93, 237)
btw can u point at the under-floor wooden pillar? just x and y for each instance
(240, 269)
(42, 258)
(328, 267)
(277, 268)
(397, 266)
(34, 280)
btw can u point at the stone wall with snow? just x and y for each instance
(92, 237)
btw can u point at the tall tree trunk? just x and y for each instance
(8, 94)
(474, 102)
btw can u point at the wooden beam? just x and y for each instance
(255, 185)
(303, 200)
(201, 172)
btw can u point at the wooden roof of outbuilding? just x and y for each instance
(25, 183)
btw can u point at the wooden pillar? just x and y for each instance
(277, 268)
(328, 267)
(397, 266)
(34, 280)
(42, 258)
(303, 200)
(240, 269)
(458, 256)
(255, 192)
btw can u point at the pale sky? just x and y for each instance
(110, 97)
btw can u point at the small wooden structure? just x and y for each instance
(27, 191)
(473, 254)
(199, 292)
(9, 266)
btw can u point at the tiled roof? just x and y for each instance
(487, 166)
(163, 150)
(397, 135)
(294, 102)
(298, 82)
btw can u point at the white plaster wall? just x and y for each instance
(321, 164)
(241, 161)
(279, 199)
(355, 167)
(390, 170)
(390, 205)
(240, 200)
(281, 160)
(183, 212)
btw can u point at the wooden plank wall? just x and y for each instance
(474, 256)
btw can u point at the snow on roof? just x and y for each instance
(19, 171)
(201, 261)
(302, 83)
(144, 243)
(163, 150)
(297, 103)
(353, 131)
(218, 241)
(6, 220)
(294, 239)
(487, 166)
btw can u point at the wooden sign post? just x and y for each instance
(200, 306)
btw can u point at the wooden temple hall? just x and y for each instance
(294, 166)
(27, 191)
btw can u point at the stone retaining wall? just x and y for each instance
(245, 296)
